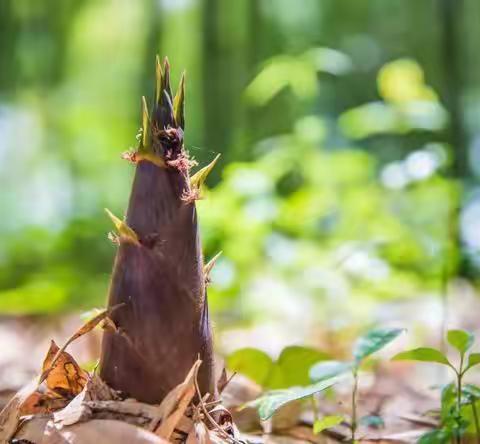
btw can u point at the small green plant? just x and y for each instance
(288, 370)
(365, 346)
(454, 396)
(285, 379)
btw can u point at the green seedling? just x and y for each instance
(365, 346)
(285, 379)
(290, 369)
(454, 396)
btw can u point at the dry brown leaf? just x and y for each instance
(108, 325)
(65, 376)
(128, 409)
(408, 437)
(175, 404)
(42, 403)
(223, 380)
(100, 431)
(95, 390)
(84, 329)
(199, 434)
(10, 415)
(184, 425)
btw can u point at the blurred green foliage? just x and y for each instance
(339, 180)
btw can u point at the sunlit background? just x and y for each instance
(347, 191)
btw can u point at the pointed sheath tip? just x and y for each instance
(116, 221)
(144, 106)
(179, 103)
(145, 123)
(166, 77)
(166, 64)
(198, 179)
(207, 268)
(124, 231)
(158, 78)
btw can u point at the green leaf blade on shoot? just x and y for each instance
(423, 354)
(460, 339)
(270, 402)
(293, 365)
(373, 341)
(251, 362)
(473, 360)
(198, 179)
(329, 369)
(326, 422)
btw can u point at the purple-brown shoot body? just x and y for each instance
(164, 326)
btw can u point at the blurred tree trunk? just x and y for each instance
(227, 37)
(213, 102)
(451, 15)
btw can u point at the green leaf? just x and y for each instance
(424, 354)
(460, 339)
(329, 369)
(439, 436)
(251, 362)
(271, 401)
(448, 401)
(473, 360)
(471, 392)
(293, 365)
(325, 423)
(374, 341)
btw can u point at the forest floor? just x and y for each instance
(406, 396)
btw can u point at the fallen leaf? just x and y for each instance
(410, 436)
(42, 403)
(108, 325)
(225, 422)
(199, 434)
(64, 376)
(95, 390)
(10, 415)
(104, 431)
(223, 380)
(175, 403)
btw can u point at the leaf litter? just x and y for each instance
(67, 404)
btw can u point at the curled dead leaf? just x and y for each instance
(84, 329)
(64, 376)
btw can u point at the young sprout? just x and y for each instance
(462, 341)
(365, 346)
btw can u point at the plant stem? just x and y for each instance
(354, 404)
(475, 417)
(459, 398)
(316, 415)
